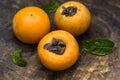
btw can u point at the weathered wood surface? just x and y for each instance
(105, 24)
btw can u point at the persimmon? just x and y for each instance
(30, 24)
(73, 17)
(58, 50)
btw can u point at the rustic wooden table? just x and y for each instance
(105, 24)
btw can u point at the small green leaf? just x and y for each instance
(98, 47)
(51, 7)
(17, 58)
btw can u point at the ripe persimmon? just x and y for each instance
(30, 24)
(73, 17)
(58, 50)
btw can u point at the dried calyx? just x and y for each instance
(57, 46)
(69, 11)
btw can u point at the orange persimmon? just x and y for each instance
(73, 17)
(58, 50)
(30, 24)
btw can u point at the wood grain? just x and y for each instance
(105, 24)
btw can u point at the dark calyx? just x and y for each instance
(57, 46)
(69, 11)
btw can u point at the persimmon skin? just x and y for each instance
(76, 24)
(56, 62)
(30, 24)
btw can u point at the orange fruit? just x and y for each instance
(58, 50)
(73, 17)
(30, 24)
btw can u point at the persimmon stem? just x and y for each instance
(57, 46)
(31, 14)
(69, 11)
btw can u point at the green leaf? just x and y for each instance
(17, 58)
(98, 47)
(51, 7)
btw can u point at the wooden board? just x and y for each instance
(105, 24)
